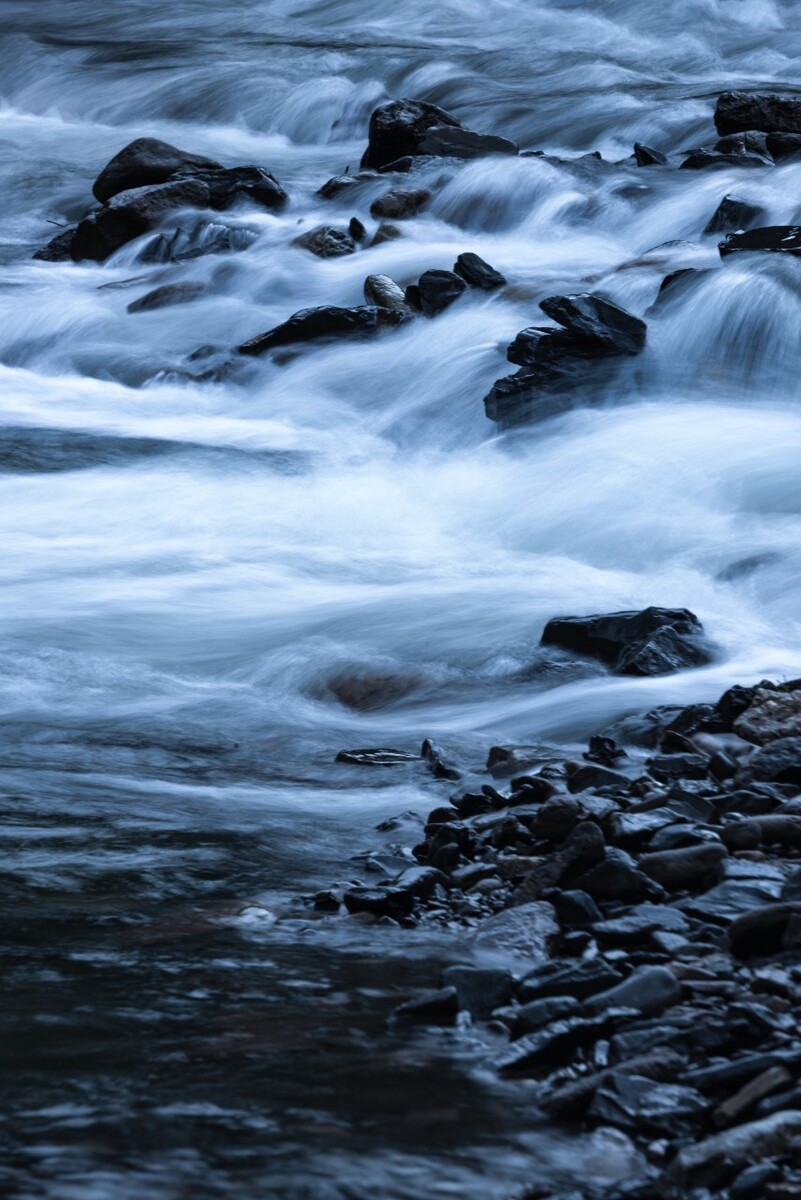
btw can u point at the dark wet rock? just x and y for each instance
(685, 869)
(197, 239)
(432, 1008)
(763, 931)
(538, 1013)
(234, 185)
(326, 241)
(573, 1098)
(59, 248)
(556, 818)
(591, 317)
(577, 979)
(765, 111)
(541, 346)
(729, 1076)
(168, 295)
(398, 128)
(556, 1043)
(398, 898)
(701, 1162)
(377, 758)
(582, 778)
(783, 145)
(438, 290)
(604, 750)
(736, 1107)
(529, 931)
(478, 274)
(636, 926)
(751, 1181)
(675, 284)
(439, 764)
(646, 156)
(383, 292)
(581, 850)
(545, 391)
(655, 641)
(777, 762)
(773, 713)
(617, 878)
(749, 141)
(357, 230)
(638, 1104)
(313, 324)
(400, 203)
(649, 991)
(775, 829)
(514, 760)
(731, 899)
(733, 214)
(448, 141)
(480, 990)
(144, 162)
(704, 160)
(132, 213)
(386, 232)
(773, 239)
(342, 183)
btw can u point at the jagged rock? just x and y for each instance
(538, 1013)
(326, 241)
(144, 162)
(646, 156)
(655, 641)
(476, 273)
(774, 239)
(748, 141)
(556, 1043)
(638, 1104)
(448, 141)
(312, 324)
(733, 214)
(583, 849)
(701, 1162)
(735, 1107)
(617, 878)
(765, 111)
(772, 714)
(649, 991)
(400, 203)
(572, 1099)
(731, 899)
(685, 869)
(59, 248)
(598, 320)
(231, 185)
(398, 127)
(131, 213)
(383, 292)
(199, 238)
(636, 926)
(166, 296)
(438, 290)
(783, 145)
(438, 762)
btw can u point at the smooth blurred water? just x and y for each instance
(196, 574)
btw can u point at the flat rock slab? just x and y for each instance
(529, 931)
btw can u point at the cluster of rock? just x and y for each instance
(643, 905)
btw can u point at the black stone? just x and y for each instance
(398, 128)
(326, 241)
(765, 111)
(646, 156)
(167, 295)
(655, 641)
(144, 162)
(438, 290)
(733, 214)
(433, 1008)
(448, 141)
(232, 185)
(773, 239)
(634, 1103)
(313, 324)
(783, 145)
(476, 273)
(591, 317)
(400, 203)
(132, 213)
(59, 248)
(376, 758)
(704, 160)
(577, 979)
(479, 990)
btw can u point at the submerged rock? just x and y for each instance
(655, 641)
(398, 128)
(400, 203)
(327, 321)
(144, 162)
(764, 111)
(168, 295)
(131, 213)
(59, 248)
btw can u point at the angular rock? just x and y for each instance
(313, 324)
(400, 203)
(478, 274)
(342, 183)
(701, 1162)
(168, 295)
(479, 990)
(383, 292)
(748, 141)
(762, 931)
(650, 991)
(528, 931)
(432, 1008)
(703, 160)
(765, 111)
(577, 979)
(438, 290)
(398, 128)
(386, 232)
(635, 926)
(538, 1013)
(773, 239)
(232, 185)
(655, 641)
(777, 762)
(598, 320)
(731, 899)
(733, 214)
(449, 141)
(771, 714)
(783, 145)
(646, 156)
(130, 214)
(638, 1104)
(685, 869)
(438, 762)
(326, 241)
(144, 162)
(59, 248)
(735, 1107)
(583, 849)
(617, 878)
(556, 1043)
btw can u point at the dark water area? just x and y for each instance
(210, 587)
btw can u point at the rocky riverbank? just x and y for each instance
(632, 925)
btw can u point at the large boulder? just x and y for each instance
(776, 239)
(398, 128)
(325, 322)
(130, 214)
(144, 162)
(765, 111)
(655, 641)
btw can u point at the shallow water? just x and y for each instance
(195, 573)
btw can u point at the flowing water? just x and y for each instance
(209, 588)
